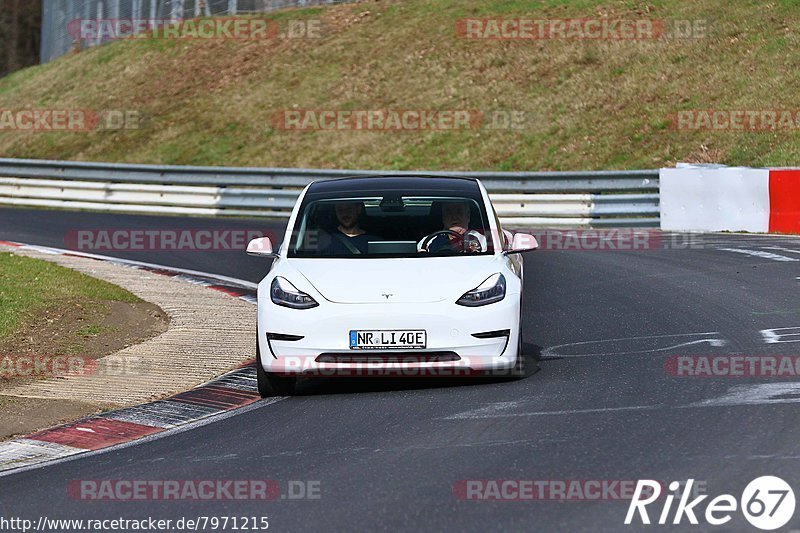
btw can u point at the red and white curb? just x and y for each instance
(231, 391)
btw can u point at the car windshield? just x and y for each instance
(391, 225)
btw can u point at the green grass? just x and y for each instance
(29, 287)
(592, 104)
(91, 330)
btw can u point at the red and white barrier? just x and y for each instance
(708, 198)
(784, 195)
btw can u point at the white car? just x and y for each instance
(396, 275)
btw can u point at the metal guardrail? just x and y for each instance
(585, 198)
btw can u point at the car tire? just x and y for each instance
(270, 384)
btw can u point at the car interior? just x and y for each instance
(392, 221)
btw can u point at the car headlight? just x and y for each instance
(490, 291)
(284, 293)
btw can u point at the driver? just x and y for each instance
(456, 218)
(349, 238)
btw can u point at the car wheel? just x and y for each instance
(270, 384)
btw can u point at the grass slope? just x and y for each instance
(595, 104)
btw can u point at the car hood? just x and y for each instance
(405, 280)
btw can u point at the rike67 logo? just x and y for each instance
(767, 503)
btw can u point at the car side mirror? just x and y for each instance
(508, 237)
(261, 247)
(523, 242)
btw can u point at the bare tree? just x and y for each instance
(12, 51)
(20, 29)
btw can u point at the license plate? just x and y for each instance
(386, 339)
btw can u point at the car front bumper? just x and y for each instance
(324, 331)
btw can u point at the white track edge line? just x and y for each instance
(235, 281)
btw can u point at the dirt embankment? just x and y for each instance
(67, 339)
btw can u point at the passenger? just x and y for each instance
(456, 218)
(349, 238)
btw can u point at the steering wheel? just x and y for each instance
(426, 241)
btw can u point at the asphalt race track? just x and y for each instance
(390, 454)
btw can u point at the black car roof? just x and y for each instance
(380, 184)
